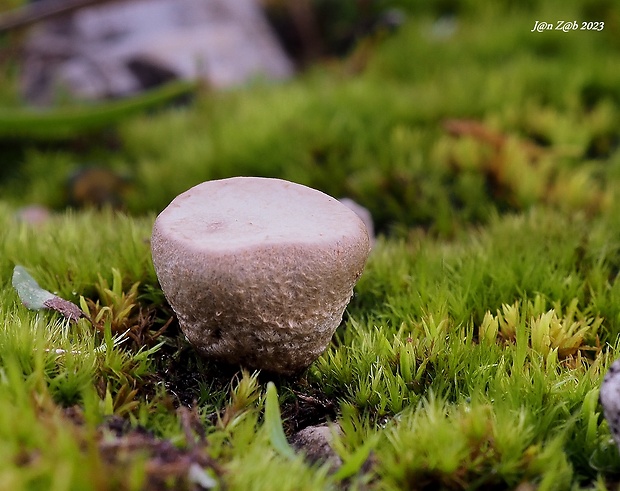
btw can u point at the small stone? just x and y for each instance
(364, 214)
(315, 443)
(118, 49)
(259, 271)
(33, 215)
(610, 400)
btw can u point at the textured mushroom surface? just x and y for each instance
(259, 271)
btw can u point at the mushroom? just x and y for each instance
(259, 271)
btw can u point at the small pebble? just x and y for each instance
(364, 214)
(315, 443)
(610, 400)
(33, 214)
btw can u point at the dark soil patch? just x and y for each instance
(166, 465)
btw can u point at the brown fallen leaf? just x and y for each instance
(64, 307)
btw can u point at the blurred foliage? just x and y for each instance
(437, 125)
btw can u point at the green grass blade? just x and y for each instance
(273, 424)
(58, 124)
(355, 461)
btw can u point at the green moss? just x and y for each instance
(417, 365)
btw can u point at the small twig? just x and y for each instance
(161, 330)
(117, 341)
(60, 351)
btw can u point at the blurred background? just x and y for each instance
(433, 115)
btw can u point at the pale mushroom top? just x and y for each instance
(248, 211)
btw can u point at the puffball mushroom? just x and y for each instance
(259, 271)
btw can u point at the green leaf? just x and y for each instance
(36, 298)
(59, 124)
(273, 424)
(30, 293)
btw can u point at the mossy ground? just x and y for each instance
(472, 353)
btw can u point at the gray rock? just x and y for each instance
(364, 214)
(259, 271)
(315, 443)
(610, 400)
(33, 214)
(120, 48)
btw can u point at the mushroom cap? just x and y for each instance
(259, 270)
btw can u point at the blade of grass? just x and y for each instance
(273, 424)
